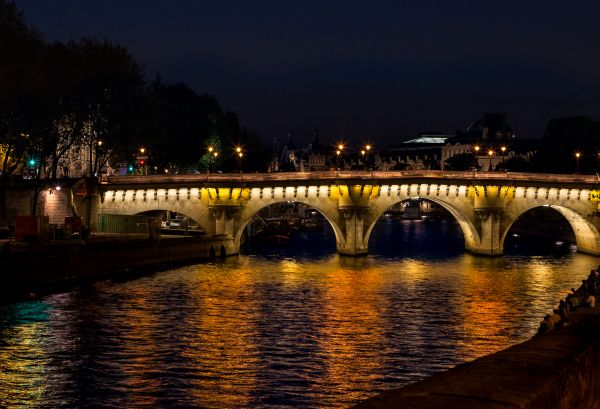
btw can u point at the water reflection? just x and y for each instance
(282, 329)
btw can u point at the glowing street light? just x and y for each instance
(367, 151)
(577, 155)
(340, 148)
(490, 154)
(240, 154)
(211, 152)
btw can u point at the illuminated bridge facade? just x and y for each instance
(485, 205)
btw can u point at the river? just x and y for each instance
(297, 326)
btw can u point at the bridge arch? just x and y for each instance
(468, 229)
(248, 214)
(587, 236)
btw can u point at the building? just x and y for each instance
(490, 139)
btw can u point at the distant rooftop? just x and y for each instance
(434, 139)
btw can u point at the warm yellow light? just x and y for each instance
(490, 152)
(476, 148)
(362, 152)
(340, 146)
(142, 150)
(216, 154)
(210, 149)
(99, 143)
(503, 148)
(337, 152)
(368, 147)
(577, 155)
(238, 149)
(166, 170)
(241, 154)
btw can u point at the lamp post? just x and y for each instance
(240, 154)
(362, 153)
(503, 149)
(339, 155)
(368, 149)
(490, 154)
(210, 156)
(577, 155)
(476, 164)
(216, 155)
(142, 159)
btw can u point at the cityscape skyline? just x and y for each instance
(388, 74)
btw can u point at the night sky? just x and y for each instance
(378, 71)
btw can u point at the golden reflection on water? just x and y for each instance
(251, 330)
(22, 365)
(222, 344)
(141, 349)
(351, 331)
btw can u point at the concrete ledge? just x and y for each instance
(560, 370)
(39, 267)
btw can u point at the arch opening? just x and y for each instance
(420, 227)
(288, 226)
(550, 228)
(174, 223)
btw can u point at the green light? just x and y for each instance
(31, 162)
(130, 168)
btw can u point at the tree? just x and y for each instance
(562, 139)
(21, 47)
(462, 161)
(516, 164)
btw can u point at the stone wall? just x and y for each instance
(560, 370)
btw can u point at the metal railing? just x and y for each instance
(378, 176)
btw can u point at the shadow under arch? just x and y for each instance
(587, 236)
(339, 236)
(469, 231)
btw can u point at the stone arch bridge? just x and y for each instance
(484, 204)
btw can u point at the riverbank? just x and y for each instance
(558, 370)
(46, 266)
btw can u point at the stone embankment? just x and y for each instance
(40, 267)
(557, 370)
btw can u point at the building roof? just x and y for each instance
(428, 139)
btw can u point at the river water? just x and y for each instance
(297, 326)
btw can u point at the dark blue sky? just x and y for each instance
(381, 71)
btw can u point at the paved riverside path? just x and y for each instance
(559, 370)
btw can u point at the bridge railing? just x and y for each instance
(353, 175)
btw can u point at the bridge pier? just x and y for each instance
(224, 224)
(488, 223)
(354, 228)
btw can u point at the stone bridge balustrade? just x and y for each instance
(485, 205)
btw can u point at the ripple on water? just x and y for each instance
(281, 330)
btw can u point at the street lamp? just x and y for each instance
(577, 155)
(142, 158)
(339, 154)
(368, 160)
(476, 164)
(240, 154)
(490, 154)
(210, 156)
